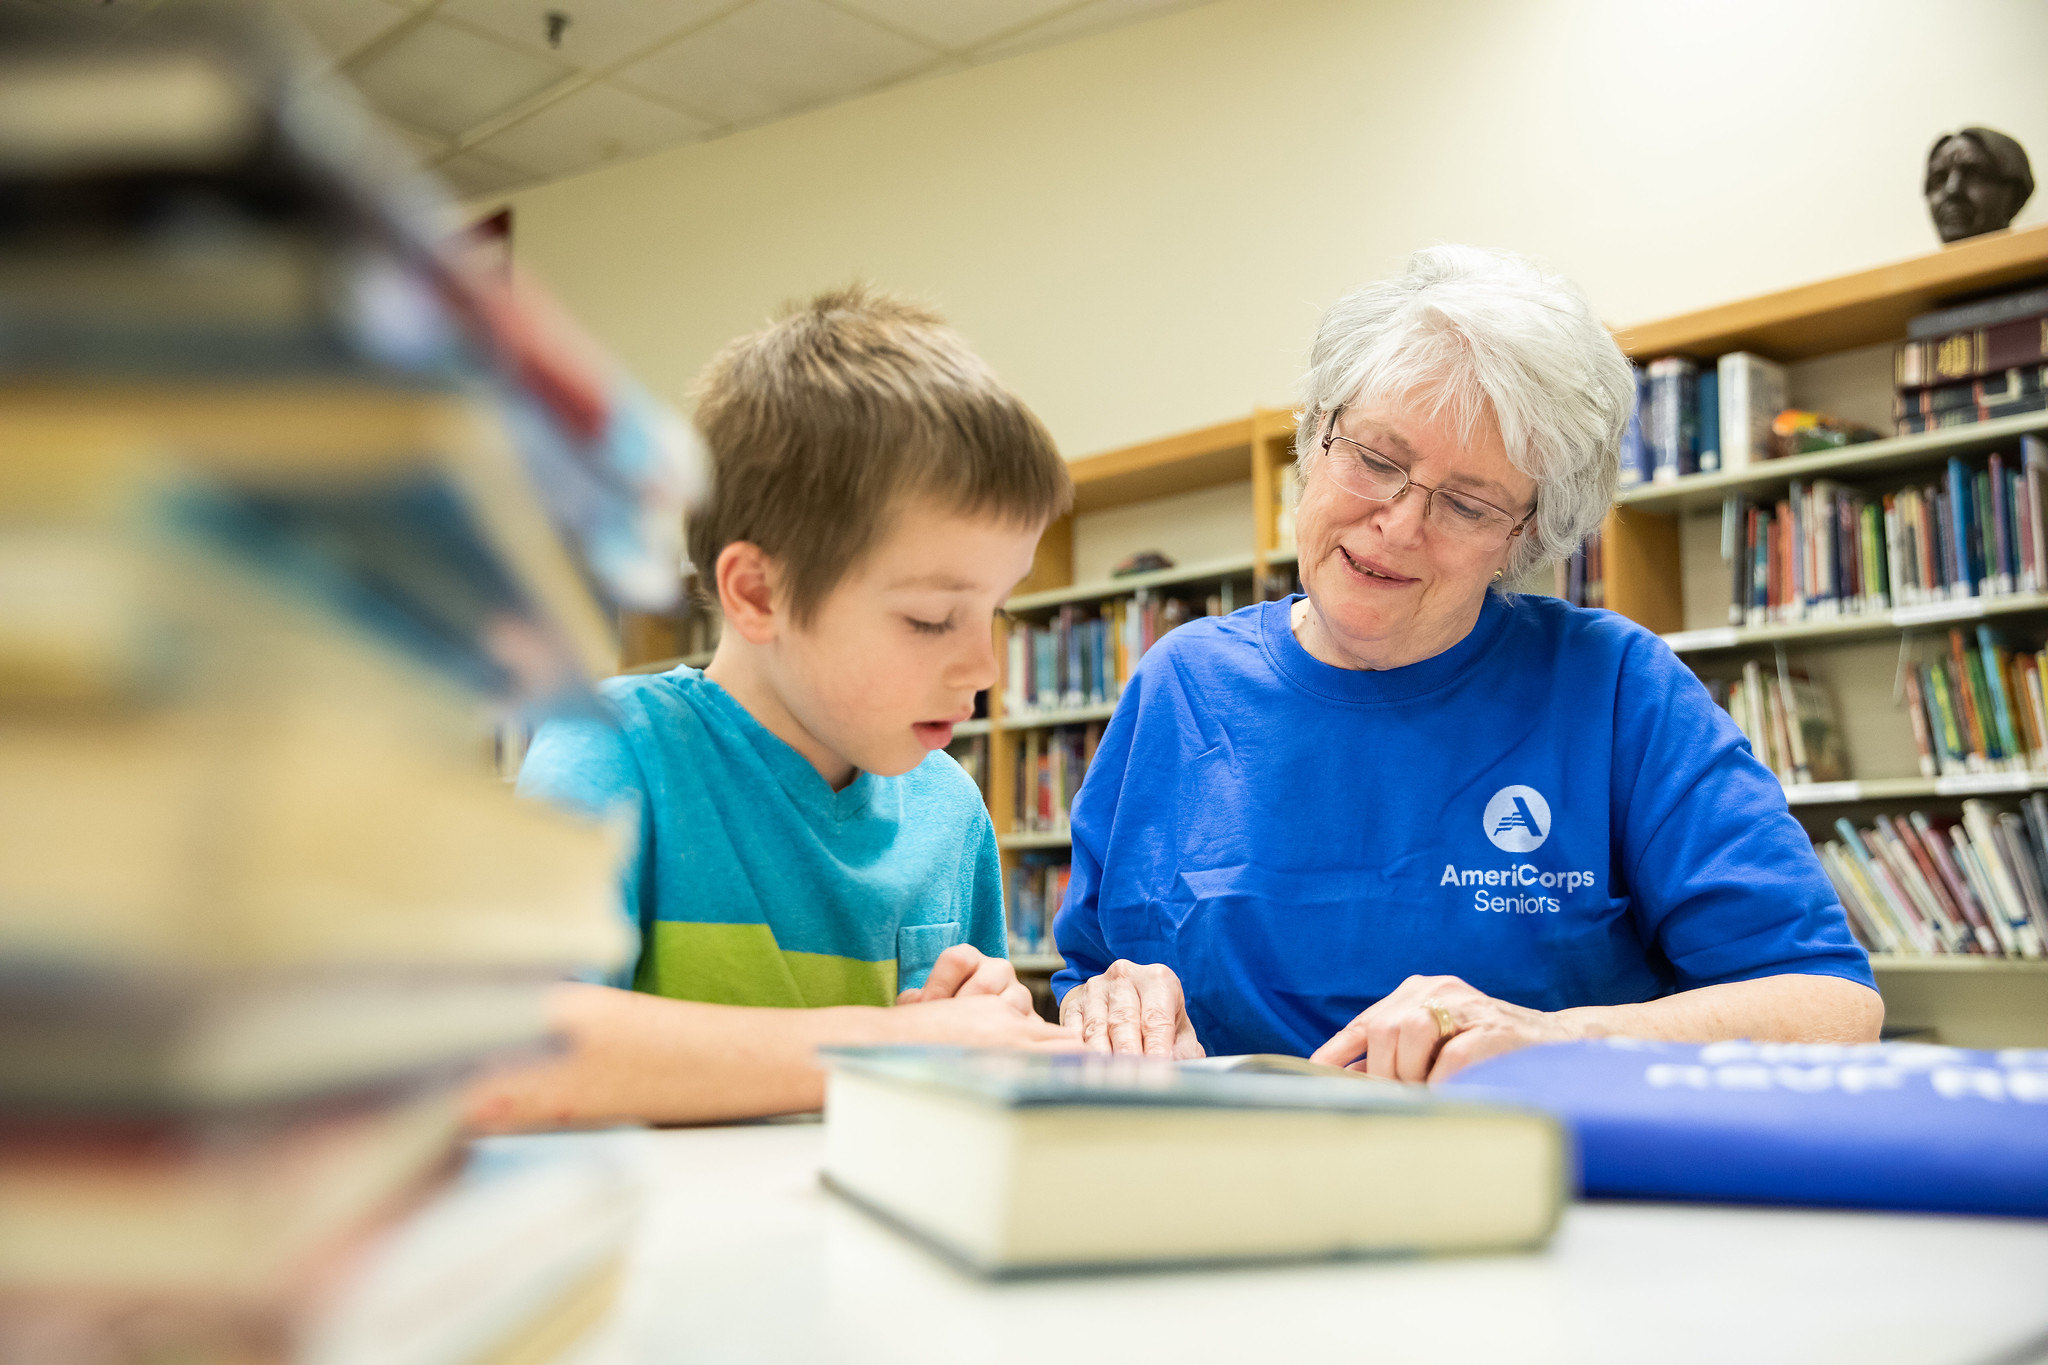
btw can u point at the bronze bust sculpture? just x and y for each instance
(1977, 179)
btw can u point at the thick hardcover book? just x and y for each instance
(1671, 423)
(1751, 393)
(1965, 355)
(1881, 1126)
(1012, 1161)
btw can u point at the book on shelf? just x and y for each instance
(1825, 551)
(1751, 391)
(1971, 352)
(1916, 885)
(1083, 656)
(1789, 721)
(1286, 504)
(1049, 773)
(1976, 705)
(1038, 886)
(1636, 464)
(1176, 1164)
(1914, 423)
(1981, 399)
(1671, 419)
(1905, 1126)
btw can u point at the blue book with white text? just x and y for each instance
(1904, 1126)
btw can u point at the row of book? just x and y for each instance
(1691, 419)
(1050, 766)
(1788, 720)
(1919, 886)
(269, 574)
(1824, 551)
(1978, 707)
(1973, 362)
(1083, 656)
(1038, 886)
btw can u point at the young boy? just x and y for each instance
(810, 868)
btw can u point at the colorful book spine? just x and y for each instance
(1671, 429)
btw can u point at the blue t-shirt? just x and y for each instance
(1553, 810)
(752, 881)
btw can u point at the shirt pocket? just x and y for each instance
(918, 946)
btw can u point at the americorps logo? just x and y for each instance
(1517, 819)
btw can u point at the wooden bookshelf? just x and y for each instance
(1841, 314)
(1965, 999)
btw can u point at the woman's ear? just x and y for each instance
(746, 578)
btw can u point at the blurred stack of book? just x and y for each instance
(1824, 551)
(1976, 706)
(1083, 656)
(1790, 722)
(1919, 886)
(1973, 362)
(1701, 419)
(293, 508)
(1050, 767)
(1038, 884)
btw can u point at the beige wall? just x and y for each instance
(1138, 229)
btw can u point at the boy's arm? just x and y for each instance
(643, 1058)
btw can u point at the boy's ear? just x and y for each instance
(746, 591)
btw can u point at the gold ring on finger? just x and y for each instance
(1446, 1024)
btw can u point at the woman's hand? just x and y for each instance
(1132, 1009)
(964, 969)
(1402, 1037)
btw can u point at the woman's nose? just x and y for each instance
(1402, 515)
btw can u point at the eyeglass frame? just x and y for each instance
(1408, 480)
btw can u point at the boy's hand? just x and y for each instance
(964, 969)
(976, 1021)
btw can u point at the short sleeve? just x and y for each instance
(584, 765)
(1719, 874)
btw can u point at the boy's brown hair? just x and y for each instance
(823, 422)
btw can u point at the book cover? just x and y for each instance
(1708, 397)
(1672, 428)
(1752, 392)
(1176, 1164)
(1896, 1126)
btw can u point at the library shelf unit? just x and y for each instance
(1665, 572)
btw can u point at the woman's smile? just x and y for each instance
(1373, 572)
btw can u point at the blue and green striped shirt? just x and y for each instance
(753, 882)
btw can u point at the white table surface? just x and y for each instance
(742, 1256)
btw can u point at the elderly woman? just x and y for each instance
(1406, 820)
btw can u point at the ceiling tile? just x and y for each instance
(448, 80)
(951, 24)
(599, 32)
(428, 147)
(343, 28)
(592, 126)
(775, 57)
(1095, 17)
(474, 175)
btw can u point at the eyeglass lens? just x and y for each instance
(1364, 471)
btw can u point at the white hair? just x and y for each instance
(1486, 335)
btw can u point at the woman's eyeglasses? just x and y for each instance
(1361, 470)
